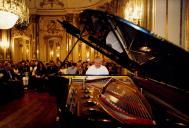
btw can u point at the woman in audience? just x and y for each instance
(38, 77)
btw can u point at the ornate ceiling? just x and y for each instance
(61, 7)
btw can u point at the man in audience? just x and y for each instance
(72, 69)
(97, 68)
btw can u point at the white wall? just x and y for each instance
(166, 19)
(159, 17)
(174, 21)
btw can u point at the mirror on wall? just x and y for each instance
(53, 48)
(22, 48)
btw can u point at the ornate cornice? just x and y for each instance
(52, 7)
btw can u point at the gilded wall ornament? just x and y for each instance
(52, 27)
(51, 3)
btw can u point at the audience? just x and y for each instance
(80, 68)
(37, 73)
(16, 71)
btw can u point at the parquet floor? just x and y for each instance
(34, 110)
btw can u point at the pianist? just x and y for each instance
(97, 68)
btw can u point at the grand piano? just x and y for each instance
(155, 93)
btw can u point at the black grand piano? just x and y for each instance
(157, 67)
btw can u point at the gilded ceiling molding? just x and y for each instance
(52, 3)
(77, 10)
(62, 7)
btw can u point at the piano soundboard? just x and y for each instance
(110, 100)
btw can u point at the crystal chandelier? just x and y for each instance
(12, 12)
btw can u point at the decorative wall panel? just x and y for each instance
(52, 43)
(62, 7)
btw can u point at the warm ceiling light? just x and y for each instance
(12, 12)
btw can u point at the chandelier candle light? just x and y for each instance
(12, 12)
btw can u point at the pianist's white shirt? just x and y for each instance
(93, 70)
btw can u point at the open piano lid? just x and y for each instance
(133, 47)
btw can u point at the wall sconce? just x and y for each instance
(27, 51)
(4, 44)
(51, 54)
(88, 55)
(37, 54)
(57, 55)
(67, 47)
(134, 11)
(37, 51)
(58, 51)
(58, 48)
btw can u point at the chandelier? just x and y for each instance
(12, 12)
(134, 11)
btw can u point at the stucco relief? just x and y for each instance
(51, 37)
(50, 26)
(62, 7)
(52, 3)
(27, 31)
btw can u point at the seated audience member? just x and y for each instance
(85, 66)
(32, 65)
(72, 69)
(6, 73)
(58, 62)
(79, 67)
(24, 68)
(63, 69)
(40, 70)
(97, 68)
(52, 68)
(38, 77)
(10, 72)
